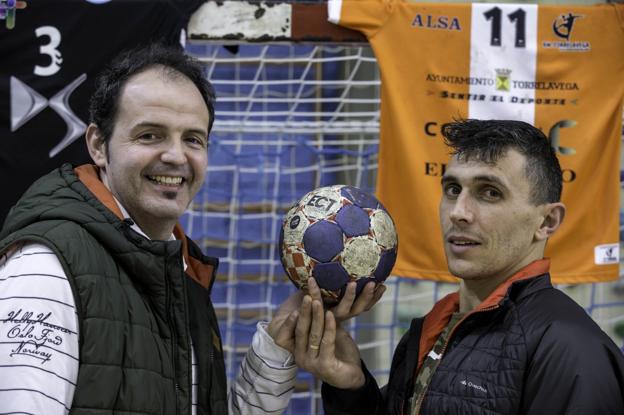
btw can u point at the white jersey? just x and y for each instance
(39, 353)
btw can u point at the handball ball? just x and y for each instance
(338, 234)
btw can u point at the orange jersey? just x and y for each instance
(560, 68)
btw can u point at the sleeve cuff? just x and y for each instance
(265, 348)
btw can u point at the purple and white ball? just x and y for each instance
(338, 234)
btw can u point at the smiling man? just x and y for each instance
(507, 342)
(104, 302)
(156, 156)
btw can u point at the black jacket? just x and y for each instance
(534, 352)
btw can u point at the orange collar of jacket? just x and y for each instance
(439, 316)
(88, 174)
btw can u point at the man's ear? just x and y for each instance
(552, 217)
(96, 145)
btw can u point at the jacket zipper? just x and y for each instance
(422, 395)
(187, 332)
(174, 342)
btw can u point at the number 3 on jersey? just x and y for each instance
(50, 49)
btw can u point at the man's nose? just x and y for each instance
(462, 210)
(174, 153)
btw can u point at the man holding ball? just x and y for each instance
(507, 342)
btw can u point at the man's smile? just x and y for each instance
(167, 180)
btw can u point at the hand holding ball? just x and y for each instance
(338, 234)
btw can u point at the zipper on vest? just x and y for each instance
(421, 398)
(174, 343)
(174, 340)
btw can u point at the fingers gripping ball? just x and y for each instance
(338, 234)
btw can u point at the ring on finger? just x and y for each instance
(314, 347)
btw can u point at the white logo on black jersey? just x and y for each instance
(26, 103)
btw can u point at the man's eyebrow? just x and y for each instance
(148, 124)
(447, 178)
(490, 179)
(202, 133)
(161, 126)
(486, 178)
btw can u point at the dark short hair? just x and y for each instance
(487, 140)
(104, 102)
